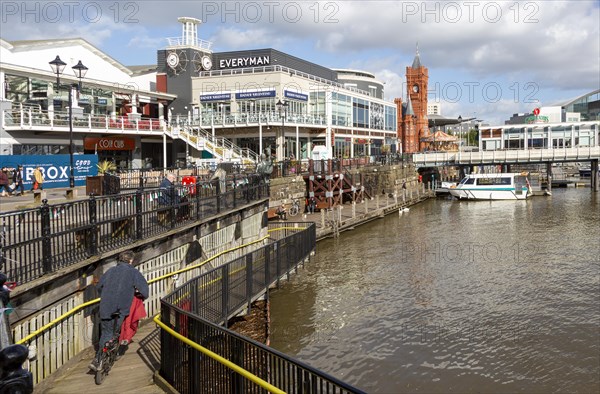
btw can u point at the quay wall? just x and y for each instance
(380, 179)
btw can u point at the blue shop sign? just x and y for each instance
(54, 167)
(102, 101)
(295, 95)
(215, 97)
(254, 95)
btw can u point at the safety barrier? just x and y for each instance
(199, 355)
(38, 241)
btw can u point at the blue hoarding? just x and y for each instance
(54, 167)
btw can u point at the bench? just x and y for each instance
(321, 205)
(272, 214)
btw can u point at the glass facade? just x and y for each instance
(588, 106)
(341, 109)
(360, 113)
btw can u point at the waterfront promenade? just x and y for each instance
(134, 372)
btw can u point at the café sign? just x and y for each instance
(108, 143)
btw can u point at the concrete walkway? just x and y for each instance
(54, 196)
(132, 373)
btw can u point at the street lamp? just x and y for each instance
(282, 107)
(460, 125)
(58, 66)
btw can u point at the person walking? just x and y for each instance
(18, 180)
(312, 204)
(168, 194)
(38, 179)
(4, 183)
(117, 288)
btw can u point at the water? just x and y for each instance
(455, 297)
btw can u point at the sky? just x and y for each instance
(486, 59)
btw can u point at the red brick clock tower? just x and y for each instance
(417, 77)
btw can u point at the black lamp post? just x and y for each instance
(282, 107)
(58, 66)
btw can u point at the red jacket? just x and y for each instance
(130, 324)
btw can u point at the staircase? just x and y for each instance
(221, 148)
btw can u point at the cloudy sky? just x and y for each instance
(487, 59)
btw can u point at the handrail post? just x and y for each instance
(92, 246)
(249, 280)
(234, 191)
(46, 244)
(139, 225)
(141, 184)
(197, 196)
(218, 195)
(225, 293)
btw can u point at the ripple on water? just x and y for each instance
(499, 297)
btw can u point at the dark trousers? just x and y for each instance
(107, 331)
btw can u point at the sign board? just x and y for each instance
(108, 143)
(254, 95)
(295, 95)
(56, 168)
(215, 97)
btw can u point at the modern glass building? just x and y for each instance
(269, 101)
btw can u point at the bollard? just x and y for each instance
(322, 218)
(377, 202)
(71, 194)
(353, 209)
(39, 196)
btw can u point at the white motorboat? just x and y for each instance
(504, 186)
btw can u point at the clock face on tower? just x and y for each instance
(415, 88)
(172, 59)
(206, 63)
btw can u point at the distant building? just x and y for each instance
(582, 108)
(434, 108)
(574, 123)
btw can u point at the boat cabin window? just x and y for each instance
(467, 181)
(494, 181)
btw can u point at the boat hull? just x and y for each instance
(489, 194)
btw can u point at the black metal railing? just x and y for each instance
(35, 242)
(196, 310)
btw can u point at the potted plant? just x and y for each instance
(96, 184)
(106, 166)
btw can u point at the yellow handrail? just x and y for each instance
(94, 301)
(264, 384)
(58, 319)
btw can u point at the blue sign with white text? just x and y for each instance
(254, 95)
(56, 168)
(295, 95)
(215, 97)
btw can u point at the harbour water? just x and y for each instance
(454, 297)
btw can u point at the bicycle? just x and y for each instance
(110, 353)
(295, 208)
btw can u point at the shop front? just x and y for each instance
(119, 150)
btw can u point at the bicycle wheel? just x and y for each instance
(100, 375)
(294, 210)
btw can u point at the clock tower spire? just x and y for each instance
(417, 77)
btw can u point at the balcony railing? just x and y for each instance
(29, 118)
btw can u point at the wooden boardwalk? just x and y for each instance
(130, 374)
